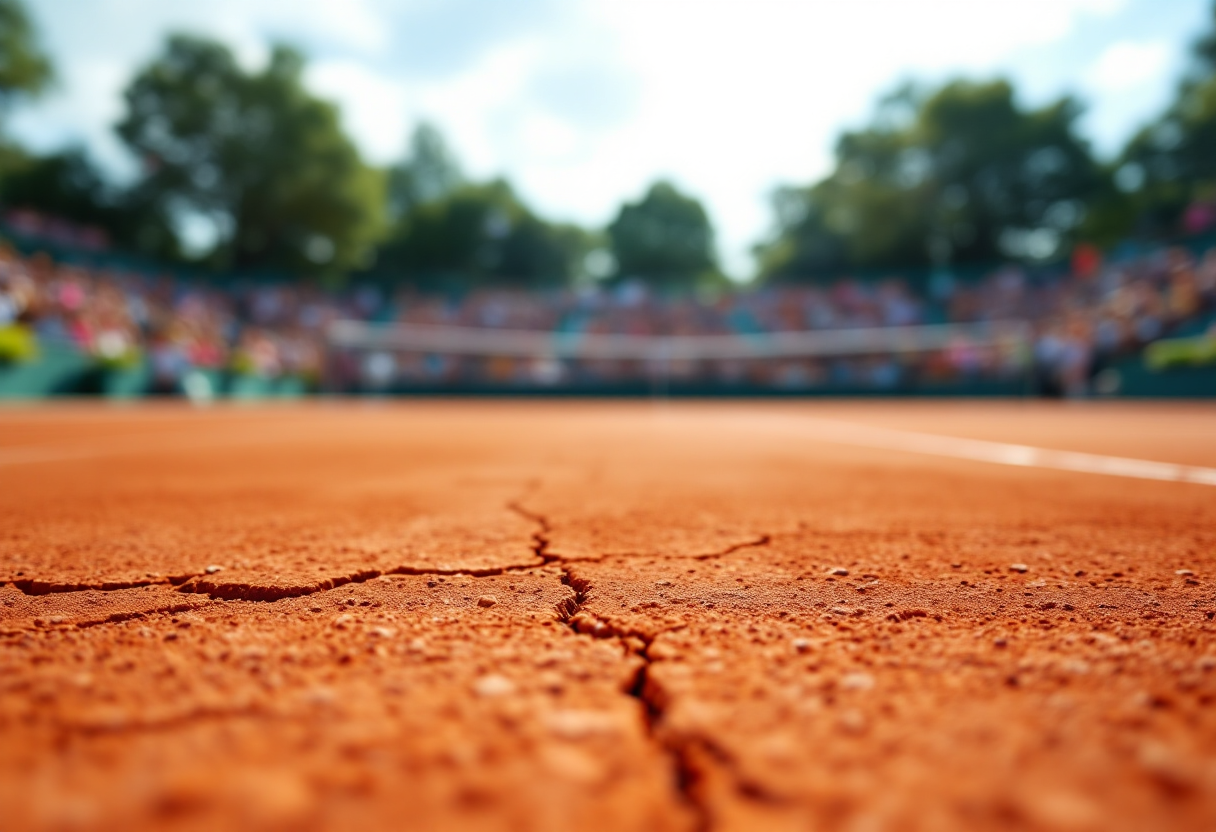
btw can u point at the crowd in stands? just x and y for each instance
(1086, 323)
(35, 224)
(122, 317)
(1082, 319)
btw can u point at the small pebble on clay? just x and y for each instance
(1185, 573)
(211, 570)
(839, 570)
(857, 681)
(1019, 567)
(487, 601)
(493, 685)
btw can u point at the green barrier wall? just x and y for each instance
(57, 370)
(1135, 380)
(128, 382)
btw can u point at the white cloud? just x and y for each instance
(352, 23)
(1128, 64)
(583, 104)
(373, 106)
(735, 97)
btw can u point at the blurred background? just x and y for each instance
(265, 199)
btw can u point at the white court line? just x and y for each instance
(827, 430)
(1004, 453)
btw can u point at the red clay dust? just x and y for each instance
(611, 616)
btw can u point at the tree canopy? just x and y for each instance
(25, 70)
(1205, 48)
(1171, 163)
(428, 173)
(664, 239)
(67, 185)
(481, 234)
(959, 174)
(257, 154)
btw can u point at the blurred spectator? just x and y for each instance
(1084, 318)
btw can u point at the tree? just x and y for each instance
(665, 239)
(1205, 48)
(481, 235)
(256, 153)
(67, 185)
(25, 70)
(960, 174)
(1171, 163)
(430, 172)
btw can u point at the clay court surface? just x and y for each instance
(607, 616)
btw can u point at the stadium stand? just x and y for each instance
(74, 323)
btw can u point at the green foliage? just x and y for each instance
(430, 172)
(961, 174)
(450, 233)
(25, 70)
(1172, 162)
(1197, 351)
(255, 152)
(1205, 48)
(481, 234)
(17, 343)
(68, 185)
(664, 239)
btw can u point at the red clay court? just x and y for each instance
(611, 616)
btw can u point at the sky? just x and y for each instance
(581, 104)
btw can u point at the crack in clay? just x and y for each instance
(686, 777)
(241, 591)
(245, 591)
(571, 606)
(691, 755)
(198, 583)
(540, 538)
(227, 590)
(119, 617)
(759, 542)
(685, 772)
(36, 587)
(42, 624)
